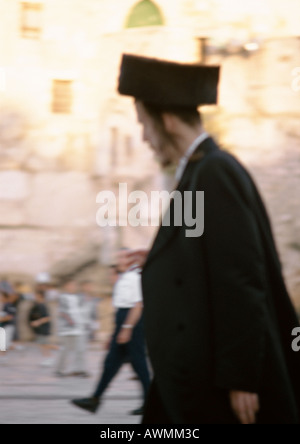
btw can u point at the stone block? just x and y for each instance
(14, 185)
(11, 213)
(61, 199)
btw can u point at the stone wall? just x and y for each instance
(43, 217)
(53, 166)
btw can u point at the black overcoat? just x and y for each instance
(217, 313)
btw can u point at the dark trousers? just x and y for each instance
(118, 354)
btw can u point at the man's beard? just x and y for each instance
(167, 146)
(164, 163)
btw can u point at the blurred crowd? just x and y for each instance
(68, 312)
(74, 322)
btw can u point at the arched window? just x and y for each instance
(144, 13)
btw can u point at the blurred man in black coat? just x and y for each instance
(218, 317)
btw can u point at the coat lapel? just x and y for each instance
(167, 232)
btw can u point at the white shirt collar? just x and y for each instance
(190, 151)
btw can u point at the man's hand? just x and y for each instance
(108, 344)
(124, 336)
(68, 318)
(35, 324)
(245, 406)
(136, 257)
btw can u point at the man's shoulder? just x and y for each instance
(221, 156)
(219, 161)
(220, 170)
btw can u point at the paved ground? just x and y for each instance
(31, 394)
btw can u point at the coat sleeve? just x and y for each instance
(235, 265)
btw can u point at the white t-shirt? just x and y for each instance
(69, 304)
(128, 289)
(88, 308)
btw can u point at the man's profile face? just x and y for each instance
(157, 138)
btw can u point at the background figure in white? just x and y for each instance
(127, 342)
(70, 330)
(44, 282)
(88, 308)
(7, 316)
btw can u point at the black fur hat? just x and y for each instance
(167, 83)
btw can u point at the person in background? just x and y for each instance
(88, 314)
(127, 342)
(70, 330)
(7, 316)
(24, 289)
(39, 319)
(43, 282)
(16, 300)
(89, 306)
